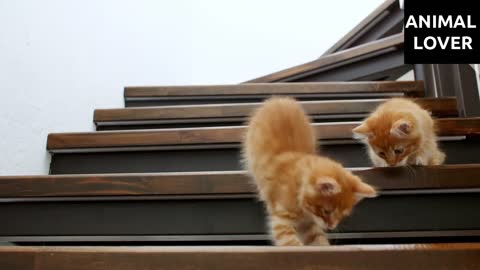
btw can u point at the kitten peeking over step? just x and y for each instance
(304, 194)
(399, 132)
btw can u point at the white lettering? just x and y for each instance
(455, 43)
(411, 22)
(424, 22)
(442, 22)
(439, 21)
(415, 44)
(459, 22)
(467, 42)
(443, 45)
(469, 22)
(434, 43)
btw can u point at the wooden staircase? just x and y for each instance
(164, 171)
(178, 179)
(170, 175)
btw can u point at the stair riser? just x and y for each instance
(202, 100)
(221, 159)
(214, 122)
(430, 213)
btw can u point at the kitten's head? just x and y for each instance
(392, 137)
(330, 192)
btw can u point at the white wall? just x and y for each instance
(60, 59)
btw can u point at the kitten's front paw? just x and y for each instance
(380, 163)
(320, 240)
(289, 243)
(420, 161)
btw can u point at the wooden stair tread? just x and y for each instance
(465, 176)
(413, 256)
(222, 135)
(413, 88)
(335, 59)
(438, 106)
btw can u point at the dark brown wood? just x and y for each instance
(439, 107)
(413, 88)
(459, 80)
(223, 183)
(421, 256)
(459, 127)
(17, 258)
(378, 16)
(334, 60)
(189, 136)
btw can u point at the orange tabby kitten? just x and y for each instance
(303, 193)
(400, 132)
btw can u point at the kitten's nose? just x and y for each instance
(332, 226)
(392, 163)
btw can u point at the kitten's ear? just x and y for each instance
(362, 131)
(363, 190)
(327, 186)
(401, 128)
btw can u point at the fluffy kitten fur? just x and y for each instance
(303, 193)
(400, 132)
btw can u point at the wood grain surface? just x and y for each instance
(412, 88)
(392, 257)
(223, 183)
(335, 59)
(440, 107)
(216, 135)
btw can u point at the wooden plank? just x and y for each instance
(221, 135)
(17, 258)
(413, 88)
(326, 62)
(370, 23)
(421, 256)
(223, 183)
(193, 158)
(439, 107)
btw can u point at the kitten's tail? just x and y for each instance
(279, 125)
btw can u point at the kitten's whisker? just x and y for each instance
(412, 171)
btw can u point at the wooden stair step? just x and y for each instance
(217, 149)
(332, 61)
(256, 92)
(219, 135)
(423, 256)
(421, 203)
(220, 157)
(235, 114)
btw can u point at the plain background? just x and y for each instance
(61, 59)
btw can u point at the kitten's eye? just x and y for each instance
(399, 151)
(381, 153)
(326, 212)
